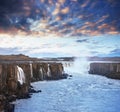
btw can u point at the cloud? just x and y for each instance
(82, 40)
(6, 51)
(60, 47)
(60, 17)
(115, 52)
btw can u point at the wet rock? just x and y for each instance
(11, 98)
(34, 91)
(70, 76)
(9, 108)
(5, 106)
(24, 96)
(2, 102)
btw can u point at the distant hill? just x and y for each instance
(103, 58)
(21, 57)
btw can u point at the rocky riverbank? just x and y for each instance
(16, 77)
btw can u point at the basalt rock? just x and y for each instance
(111, 70)
(39, 71)
(56, 71)
(10, 86)
(48, 71)
(15, 79)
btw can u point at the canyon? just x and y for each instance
(16, 75)
(17, 72)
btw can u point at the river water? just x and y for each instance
(81, 93)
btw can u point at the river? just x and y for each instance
(81, 93)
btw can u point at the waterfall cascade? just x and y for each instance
(31, 70)
(20, 75)
(41, 70)
(48, 72)
(41, 73)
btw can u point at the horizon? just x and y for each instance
(101, 46)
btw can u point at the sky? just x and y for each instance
(60, 17)
(60, 28)
(104, 45)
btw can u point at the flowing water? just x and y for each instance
(81, 93)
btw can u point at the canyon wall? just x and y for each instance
(111, 70)
(47, 71)
(15, 79)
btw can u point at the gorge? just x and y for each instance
(16, 77)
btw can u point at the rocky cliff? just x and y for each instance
(111, 70)
(15, 79)
(47, 71)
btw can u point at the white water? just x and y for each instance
(41, 71)
(20, 75)
(48, 72)
(82, 93)
(31, 70)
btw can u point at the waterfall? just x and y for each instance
(111, 67)
(41, 73)
(80, 65)
(20, 75)
(48, 72)
(31, 70)
(118, 68)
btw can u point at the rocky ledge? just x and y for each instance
(16, 77)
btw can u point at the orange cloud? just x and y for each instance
(65, 10)
(85, 4)
(89, 24)
(113, 32)
(102, 19)
(42, 1)
(58, 18)
(61, 1)
(50, 2)
(103, 26)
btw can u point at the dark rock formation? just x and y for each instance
(18, 71)
(15, 79)
(10, 87)
(47, 71)
(111, 70)
(39, 71)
